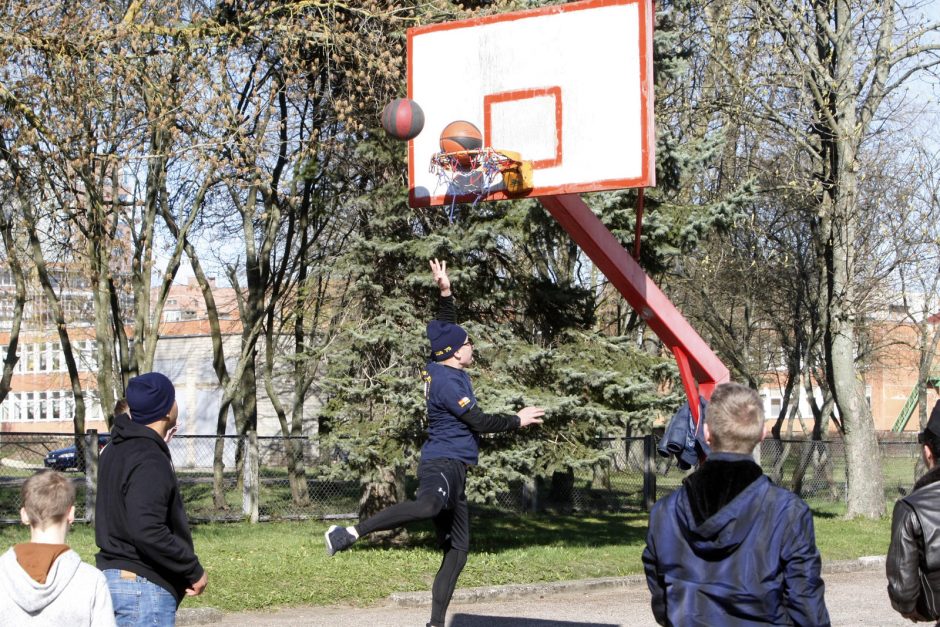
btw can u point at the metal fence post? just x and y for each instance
(530, 495)
(252, 483)
(649, 472)
(91, 473)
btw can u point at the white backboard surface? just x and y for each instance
(570, 87)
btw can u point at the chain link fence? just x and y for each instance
(274, 478)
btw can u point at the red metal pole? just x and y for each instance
(699, 367)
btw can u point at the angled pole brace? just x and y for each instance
(699, 367)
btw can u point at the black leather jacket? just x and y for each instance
(913, 565)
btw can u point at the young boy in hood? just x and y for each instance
(729, 547)
(43, 581)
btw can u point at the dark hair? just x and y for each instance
(932, 440)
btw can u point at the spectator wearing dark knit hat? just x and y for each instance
(146, 547)
(150, 397)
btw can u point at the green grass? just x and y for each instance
(839, 538)
(284, 564)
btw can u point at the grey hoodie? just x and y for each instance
(75, 594)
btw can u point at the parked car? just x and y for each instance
(66, 459)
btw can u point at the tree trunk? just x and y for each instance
(296, 475)
(99, 256)
(218, 457)
(385, 487)
(7, 232)
(865, 482)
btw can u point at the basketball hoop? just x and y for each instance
(474, 173)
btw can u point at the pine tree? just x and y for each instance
(527, 296)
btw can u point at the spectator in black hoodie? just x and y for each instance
(146, 548)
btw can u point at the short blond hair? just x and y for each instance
(47, 497)
(735, 418)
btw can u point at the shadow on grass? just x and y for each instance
(493, 531)
(826, 515)
(469, 620)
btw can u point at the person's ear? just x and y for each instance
(24, 517)
(929, 459)
(70, 517)
(763, 432)
(708, 434)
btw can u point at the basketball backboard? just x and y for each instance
(569, 87)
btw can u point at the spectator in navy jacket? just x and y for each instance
(729, 547)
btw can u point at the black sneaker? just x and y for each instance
(338, 539)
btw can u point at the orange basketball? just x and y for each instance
(461, 135)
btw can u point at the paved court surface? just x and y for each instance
(856, 597)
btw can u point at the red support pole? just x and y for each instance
(699, 367)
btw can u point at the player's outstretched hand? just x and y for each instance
(439, 271)
(530, 416)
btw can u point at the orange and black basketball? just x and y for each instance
(461, 135)
(402, 119)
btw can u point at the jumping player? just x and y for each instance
(454, 424)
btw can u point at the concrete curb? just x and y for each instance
(868, 562)
(199, 616)
(514, 591)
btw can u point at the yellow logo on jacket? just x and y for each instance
(464, 401)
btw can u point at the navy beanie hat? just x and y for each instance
(150, 397)
(446, 338)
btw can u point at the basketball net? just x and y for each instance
(476, 173)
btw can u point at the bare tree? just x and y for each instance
(916, 244)
(847, 59)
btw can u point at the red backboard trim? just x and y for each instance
(524, 94)
(520, 15)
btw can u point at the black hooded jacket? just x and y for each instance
(140, 524)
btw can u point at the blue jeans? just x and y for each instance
(137, 601)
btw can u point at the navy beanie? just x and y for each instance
(446, 338)
(150, 397)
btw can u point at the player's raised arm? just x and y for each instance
(439, 272)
